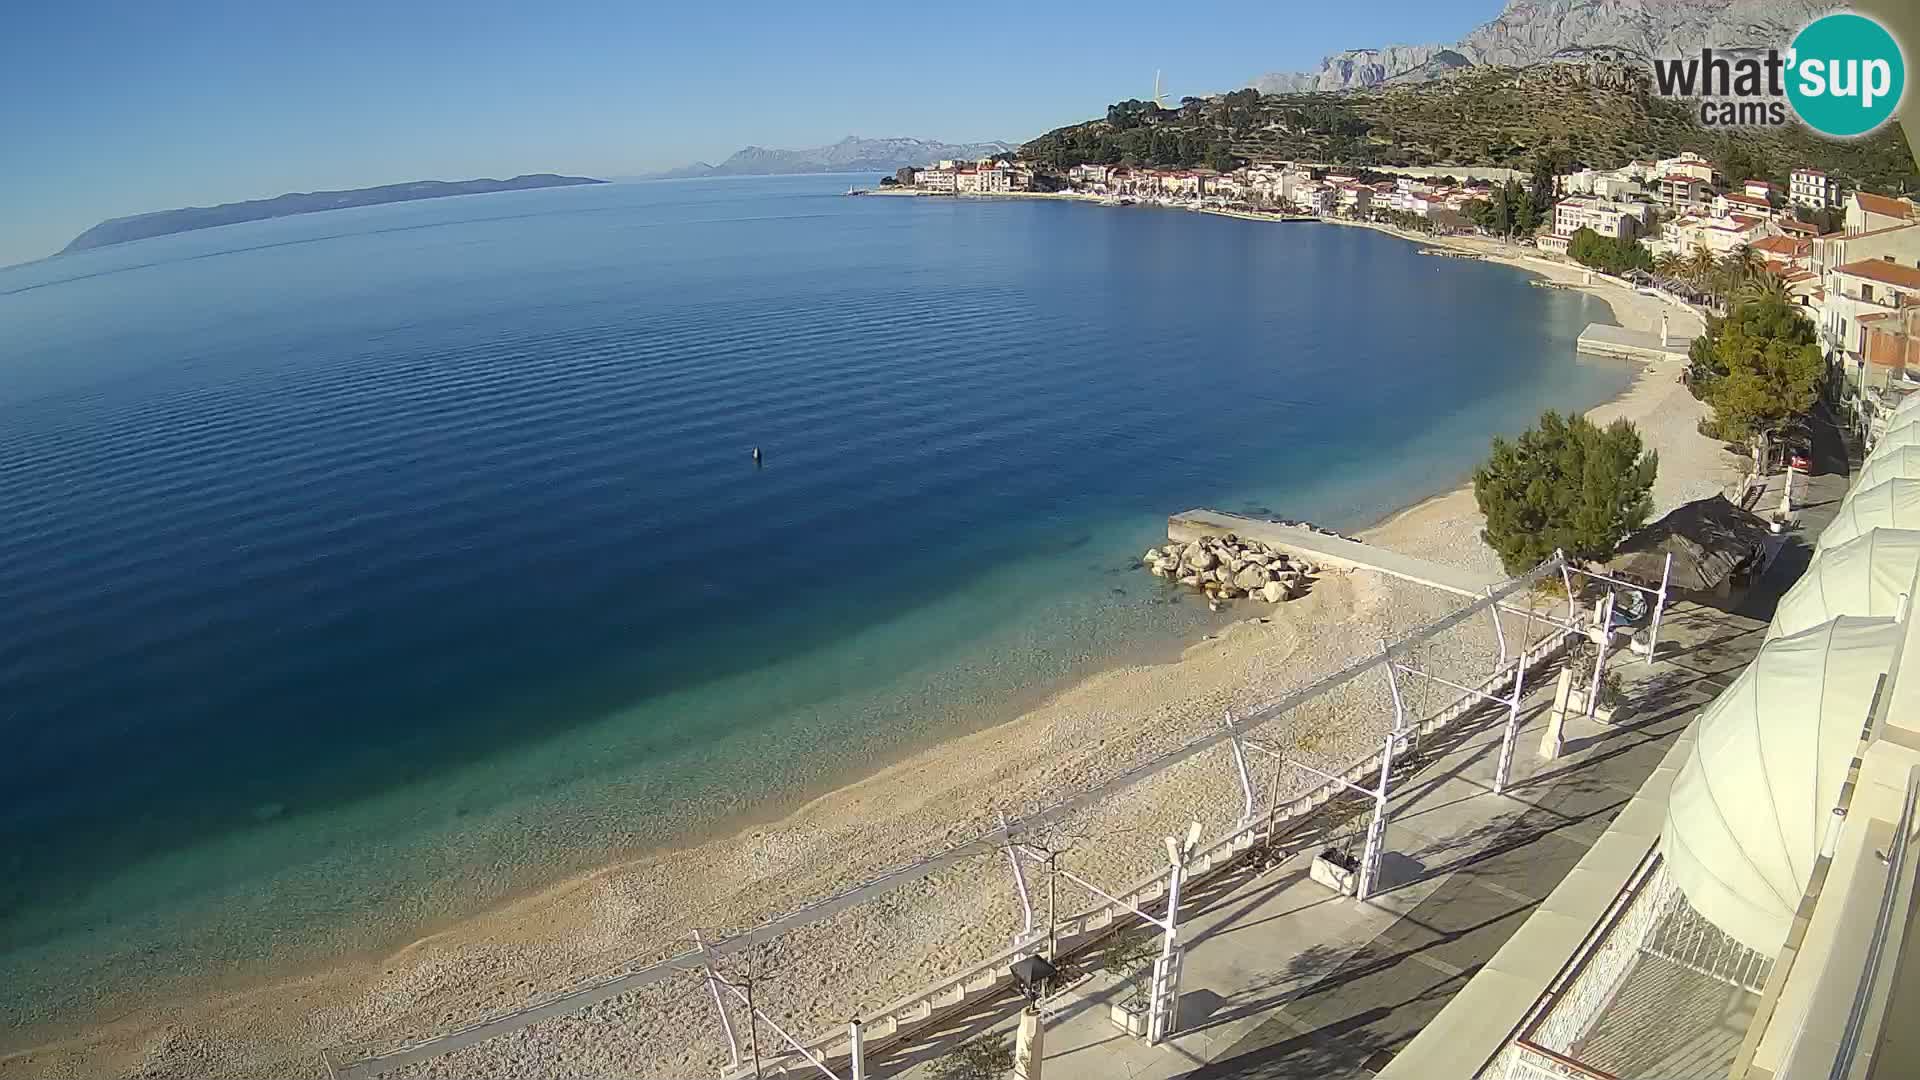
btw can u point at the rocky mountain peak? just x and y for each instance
(1537, 31)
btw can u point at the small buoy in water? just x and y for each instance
(756, 455)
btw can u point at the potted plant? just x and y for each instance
(1130, 958)
(1336, 866)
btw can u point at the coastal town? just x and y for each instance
(1847, 260)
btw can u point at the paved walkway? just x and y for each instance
(1284, 979)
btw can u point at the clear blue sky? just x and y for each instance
(123, 108)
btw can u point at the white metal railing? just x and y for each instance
(1075, 931)
(1536, 1063)
(1081, 930)
(1685, 937)
(1600, 971)
(1898, 851)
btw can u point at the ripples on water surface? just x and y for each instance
(360, 567)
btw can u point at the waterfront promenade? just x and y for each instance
(1284, 979)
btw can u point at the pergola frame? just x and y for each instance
(1009, 838)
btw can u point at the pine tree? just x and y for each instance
(1565, 485)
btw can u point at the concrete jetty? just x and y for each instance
(1326, 551)
(1603, 340)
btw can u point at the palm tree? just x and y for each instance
(1670, 264)
(1701, 265)
(1764, 286)
(1743, 262)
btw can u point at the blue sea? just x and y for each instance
(360, 569)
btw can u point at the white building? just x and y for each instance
(1720, 235)
(1812, 188)
(1690, 165)
(1617, 221)
(1740, 202)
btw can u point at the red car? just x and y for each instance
(1800, 461)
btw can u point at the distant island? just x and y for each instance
(164, 222)
(851, 154)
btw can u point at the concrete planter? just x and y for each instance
(1327, 869)
(1129, 1016)
(1577, 705)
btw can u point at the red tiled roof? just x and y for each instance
(1885, 207)
(1887, 273)
(1747, 200)
(1744, 221)
(1795, 225)
(1781, 245)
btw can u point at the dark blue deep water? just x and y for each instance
(359, 568)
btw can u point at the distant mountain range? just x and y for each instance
(1532, 31)
(163, 222)
(850, 154)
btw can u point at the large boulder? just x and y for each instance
(1273, 592)
(1198, 557)
(1190, 581)
(1251, 577)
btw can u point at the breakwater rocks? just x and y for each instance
(1229, 568)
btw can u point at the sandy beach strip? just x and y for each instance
(863, 959)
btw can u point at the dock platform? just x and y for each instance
(1324, 550)
(1601, 339)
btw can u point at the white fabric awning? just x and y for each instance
(1865, 576)
(1908, 410)
(1906, 434)
(1902, 463)
(1752, 803)
(1891, 505)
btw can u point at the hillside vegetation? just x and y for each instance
(1569, 115)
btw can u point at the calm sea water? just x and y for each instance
(359, 568)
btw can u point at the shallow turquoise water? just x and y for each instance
(362, 567)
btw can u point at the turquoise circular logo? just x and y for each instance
(1846, 75)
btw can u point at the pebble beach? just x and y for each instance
(862, 959)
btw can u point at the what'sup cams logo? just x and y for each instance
(1843, 76)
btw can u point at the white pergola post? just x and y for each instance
(1659, 609)
(1499, 632)
(1020, 886)
(1163, 1003)
(1240, 769)
(1566, 582)
(1602, 637)
(1371, 855)
(719, 1003)
(857, 1046)
(1504, 774)
(785, 1035)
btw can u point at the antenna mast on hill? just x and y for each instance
(1159, 98)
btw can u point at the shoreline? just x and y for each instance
(767, 861)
